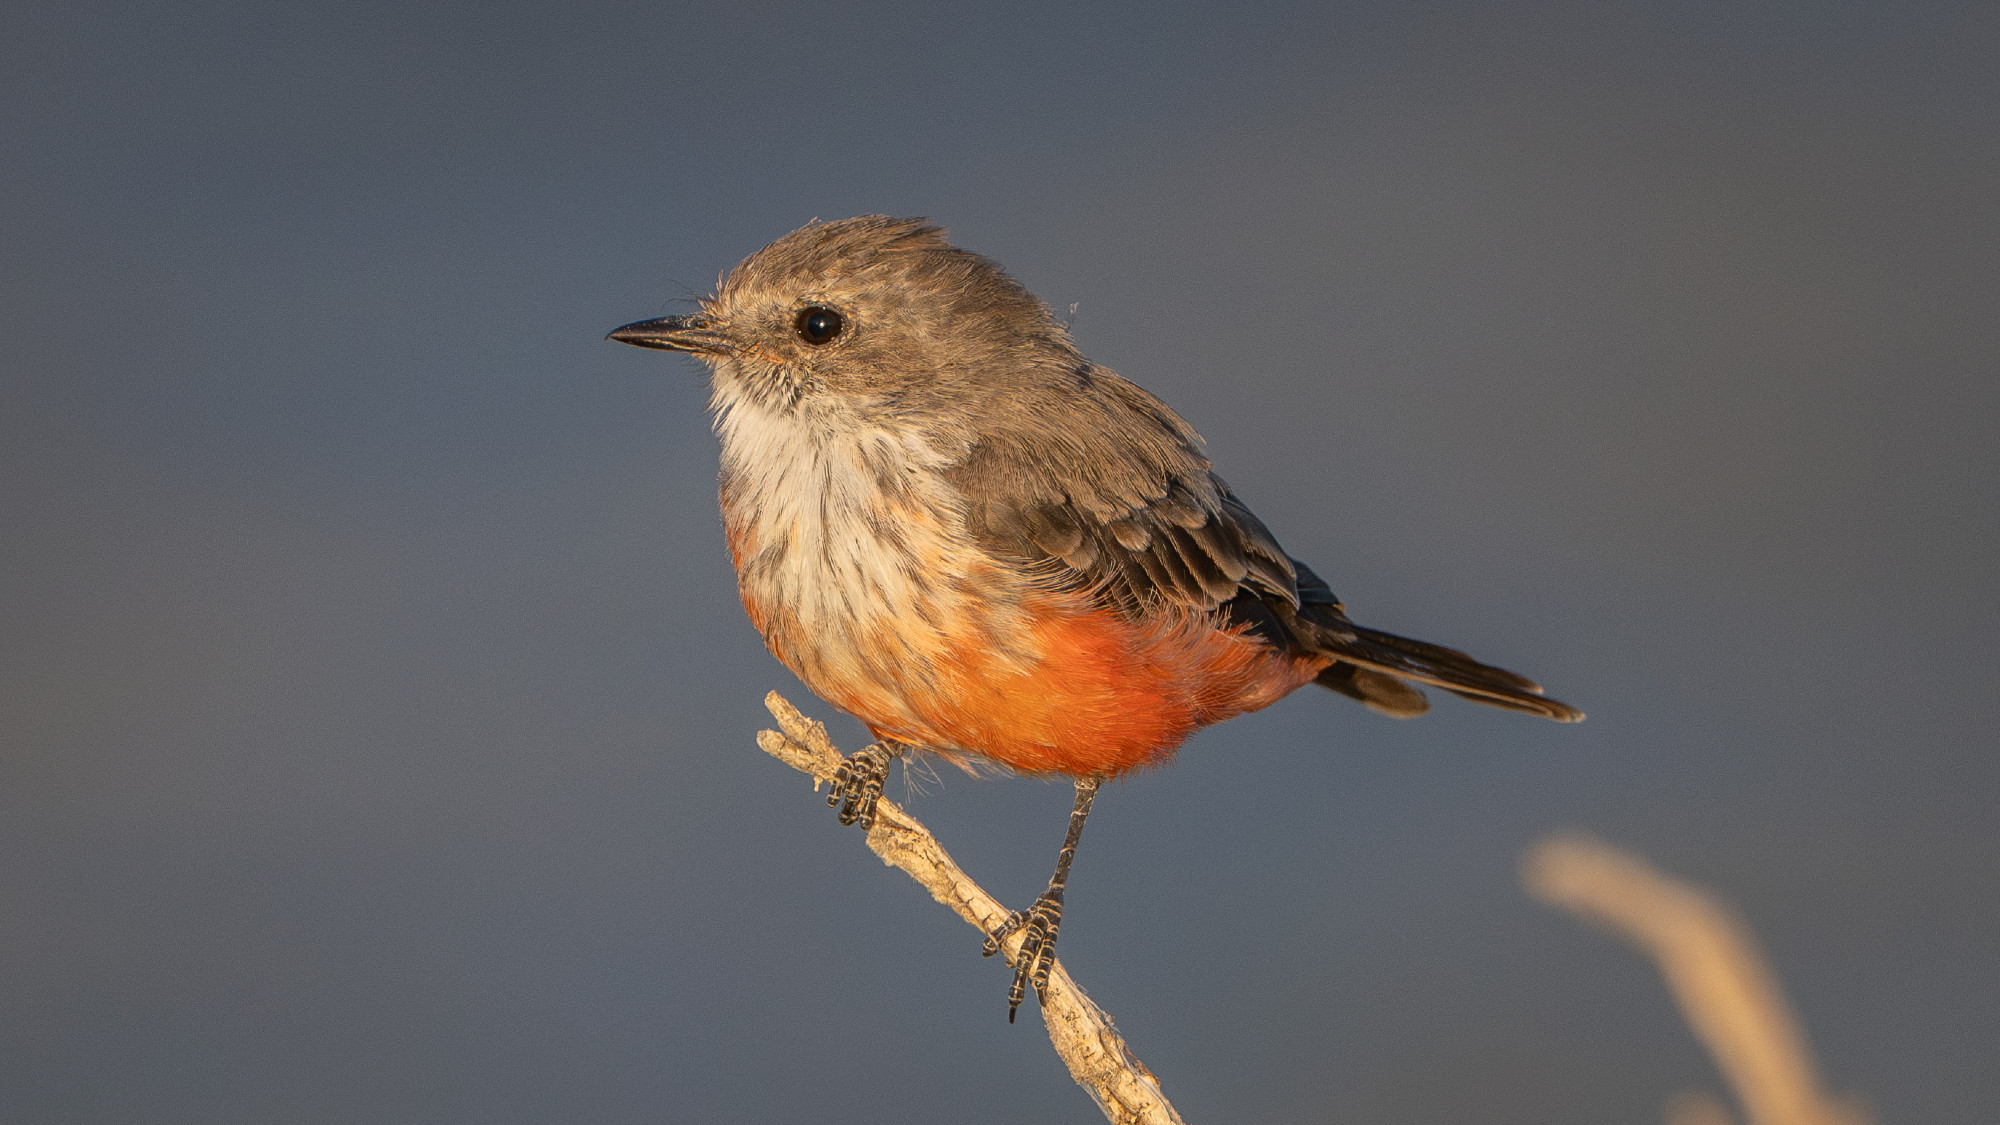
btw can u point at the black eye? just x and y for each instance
(817, 325)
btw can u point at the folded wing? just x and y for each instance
(1123, 505)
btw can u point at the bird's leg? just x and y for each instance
(1042, 920)
(857, 785)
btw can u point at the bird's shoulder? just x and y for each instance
(1103, 487)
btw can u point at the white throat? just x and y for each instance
(852, 549)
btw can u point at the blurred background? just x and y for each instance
(378, 712)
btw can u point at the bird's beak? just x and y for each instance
(697, 334)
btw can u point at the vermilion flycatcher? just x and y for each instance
(952, 525)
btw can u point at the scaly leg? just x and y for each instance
(1044, 918)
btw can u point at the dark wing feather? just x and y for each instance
(1112, 495)
(1193, 546)
(1101, 482)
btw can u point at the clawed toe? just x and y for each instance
(1040, 923)
(857, 785)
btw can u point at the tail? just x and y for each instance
(1371, 666)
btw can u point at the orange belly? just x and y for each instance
(969, 658)
(1107, 695)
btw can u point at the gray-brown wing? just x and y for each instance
(1105, 489)
(1160, 529)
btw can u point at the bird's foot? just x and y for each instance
(857, 785)
(1038, 924)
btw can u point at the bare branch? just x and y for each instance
(1710, 960)
(1082, 1033)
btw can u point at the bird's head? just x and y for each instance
(864, 316)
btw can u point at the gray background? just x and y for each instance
(378, 710)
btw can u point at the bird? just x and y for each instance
(949, 523)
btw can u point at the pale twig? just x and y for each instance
(1082, 1034)
(1695, 1107)
(1725, 990)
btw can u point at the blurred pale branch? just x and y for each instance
(1082, 1033)
(1696, 1107)
(1712, 965)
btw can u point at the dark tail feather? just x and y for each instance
(1366, 654)
(1379, 692)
